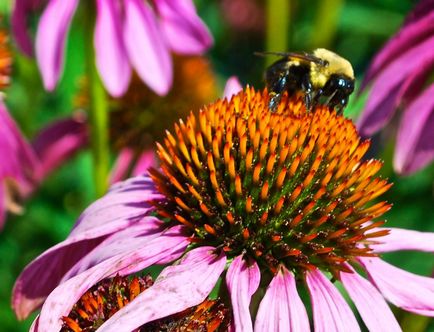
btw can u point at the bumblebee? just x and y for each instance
(321, 76)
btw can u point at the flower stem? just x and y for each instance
(98, 117)
(278, 22)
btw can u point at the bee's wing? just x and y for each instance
(306, 57)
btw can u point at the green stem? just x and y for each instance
(278, 22)
(98, 114)
(326, 23)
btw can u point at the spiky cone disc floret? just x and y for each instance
(108, 296)
(288, 187)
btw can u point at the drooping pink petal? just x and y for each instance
(404, 289)
(19, 172)
(185, 31)
(281, 309)
(242, 280)
(370, 303)
(386, 90)
(144, 162)
(62, 298)
(415, 141)
(146, 46)
(404, 239)
(44, 273)
(51, 39)
(177, 288)
(111, 55)
(330, 311)
(122, 165)
(232, 87)
(20, 12)
(124, 206)
(120, 242)
(411, 34)
(59, 142)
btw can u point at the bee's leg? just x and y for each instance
(276, 91)
(274, 101)
(307, 88)
(340, 106)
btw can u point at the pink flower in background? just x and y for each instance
(128, 34)
(19, 169)
(263, 196)
(398, 75)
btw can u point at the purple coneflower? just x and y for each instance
(269, 202)
(398, 75)
(108, 296)
(128, 33)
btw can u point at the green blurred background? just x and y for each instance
(354, 29)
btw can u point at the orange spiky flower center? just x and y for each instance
(288, 187)
(5, 60)
(107, 297)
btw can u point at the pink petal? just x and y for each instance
(146, 160)
(111, 55)
(409, 36)
(370, 303)
(122, 165)
(177, 288)
(62, 298)
(232, 87)
(51, 37)
(59, 142)
(120, 242)
(147, 47)
(44, 273)
(385, 93)
(281, 309)
(404, 239)
(242, 280)
(125, 205)
(404, 289)
(330, 311)
(20, 12)
(415, 141)
(185, 31)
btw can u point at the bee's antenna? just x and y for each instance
(265, 53)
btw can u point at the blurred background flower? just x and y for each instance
(128, 34)
(402, 93)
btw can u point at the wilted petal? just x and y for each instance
(177, 288)
(370, 303)
(404, 239)
(409, 36)
(185, 31)
(147, 47)
(242, 280)
(50, 39)
(330, 311)
(404, 289)
(385, 93)
(232, 87)
(59, 142)
(122, 165)
(281, 309)
(111, 55)
(415, 141)
(61, 300)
